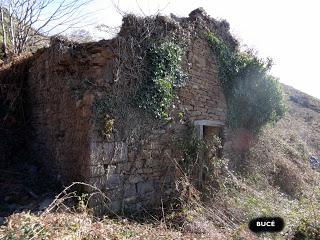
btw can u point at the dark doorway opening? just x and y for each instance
(210, 135)
(211, 132)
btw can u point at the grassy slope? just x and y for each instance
(281, 152)
(275, 178)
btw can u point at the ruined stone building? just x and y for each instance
(135, 164)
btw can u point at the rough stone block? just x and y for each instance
(136, 178)
(145, 187)
(97, 170)
(113, 181)
(130, 190)
(98, 182)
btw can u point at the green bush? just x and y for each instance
(254, 101)
(164, 74)
(253, 97)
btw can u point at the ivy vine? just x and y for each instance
(253, 96)
(164, 75)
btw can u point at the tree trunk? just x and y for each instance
(4, 35)
(12, 31)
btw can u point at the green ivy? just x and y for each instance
(164, 75)
(253, 97)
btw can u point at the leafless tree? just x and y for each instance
(4, 32)
(31, 21)
(11, 25)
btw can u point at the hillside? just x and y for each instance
(279, 173)
(277, 176)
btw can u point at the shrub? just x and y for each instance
(254, 97)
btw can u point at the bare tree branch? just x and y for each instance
(31, 21)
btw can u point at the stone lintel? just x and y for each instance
(211, 123)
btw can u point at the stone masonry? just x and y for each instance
(134, 175)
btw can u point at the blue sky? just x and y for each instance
(285, 30)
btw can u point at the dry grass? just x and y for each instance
(84, 226)
(63, 221)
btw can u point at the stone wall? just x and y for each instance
(203, 96)
(61, 110)
(14, 113)
(142, 174)
(137, 175)
(135, 171)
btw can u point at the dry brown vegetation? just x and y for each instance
(82, 226)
